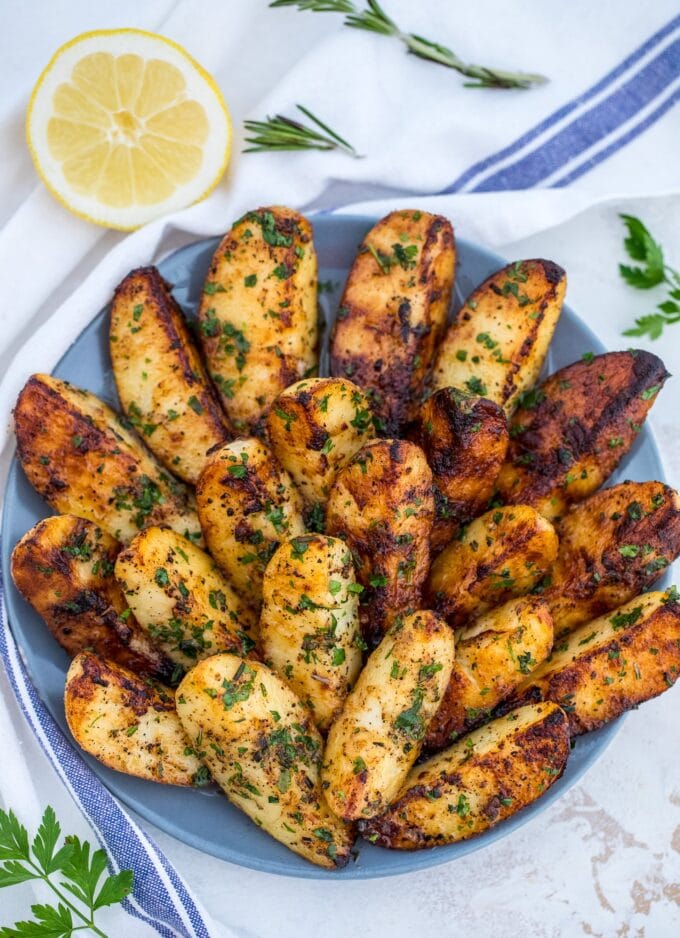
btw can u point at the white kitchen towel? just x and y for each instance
(502, 165)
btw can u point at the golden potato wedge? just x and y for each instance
(77, 454)
(465, 440)
(498, 342)
(570, 433)
(63, 567)
(162, 385)
(612, 664)
(128, 723)
(309, 627)
(314, 428)
(503, 553)
(258, 314)
(613, 545)
(247, 505)
(262, 747)
(493, 657)
(181, 599)
(478, 782)
(381, 505)
(393, 311)
(380, 730)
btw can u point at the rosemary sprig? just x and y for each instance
(283, 133)
(374, 19)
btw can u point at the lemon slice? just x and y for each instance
(124, 126)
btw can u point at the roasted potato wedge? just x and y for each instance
(309, 627)
(162, 385)
(128, 723)
(381, 505)
(247, 505)
(613, 545)
(77, 454)
(393, 311)
(465, 441)
(314, 428)
(498, 342)
(380, 731)
(63, 567)
(570, 433)
(181, 599)
(493, 657)
(258, 314)
(478, 782)
(262, 747)
(503, 553)
(612, 664)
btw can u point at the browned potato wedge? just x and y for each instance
(181, 599)
(498, 342)
(64, 568)
(262, 747)
(393, 311)
(612, 664)
(77, 454)
(478, 782)
(258, 312)
(503, 553)
(247, 505)
(162, 385)
(381, 504)
(493, 656)
(128, 723)
(613, 545)
(465, 440)
(380, 731)
(570, 433)
(309, 627)
(314, 428)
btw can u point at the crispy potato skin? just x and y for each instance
(465, 440)
(63, 567)
(181, 599)
(610, 665)
(128, 723)
(247, 505)
(258, 314)
(503, 553)
(570, 433)
(314, 428)
(393, 312)
(478, 782)
(381, 505)
(591, 575)
(78, 455)
(379, 733)
(309, 627)
(162, 385)
(498, 342)
(493, 657)
(268, 767)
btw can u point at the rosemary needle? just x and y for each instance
(283, 133)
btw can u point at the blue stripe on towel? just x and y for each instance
(168, 909)
(478, 168)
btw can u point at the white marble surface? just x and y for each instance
(603, 861)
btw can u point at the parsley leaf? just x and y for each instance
(651, 272)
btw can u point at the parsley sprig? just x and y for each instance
(283, 133)
(651, 271)
(79, 875)
(374, 19)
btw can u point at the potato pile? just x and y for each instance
(380, 602)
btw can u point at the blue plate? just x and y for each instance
(204, 819)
